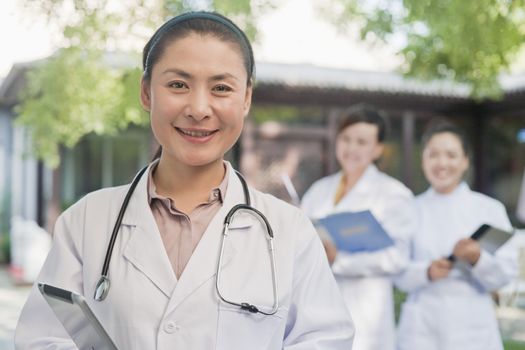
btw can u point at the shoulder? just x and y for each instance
(423, 196)
(282, 215)
(101, 200)
(322, 185)
(325, 181)
(486, 202)
(392, 186)
(272, 205)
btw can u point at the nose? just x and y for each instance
(351, 145)
(442, 161)
(199, 106)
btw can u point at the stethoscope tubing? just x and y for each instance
(103, 284)
(245, 305)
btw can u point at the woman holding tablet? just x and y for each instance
(197, 259)
(449, 305)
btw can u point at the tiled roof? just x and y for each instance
(302, 75)
(305, 76)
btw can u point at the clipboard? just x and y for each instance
(77, 318)
(489, 238)
(354, 232)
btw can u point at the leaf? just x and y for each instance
(470, 42)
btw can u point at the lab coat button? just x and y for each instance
(171, 327)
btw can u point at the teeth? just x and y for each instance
(196, 133)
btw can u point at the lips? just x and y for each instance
(442, 174)
(196, 133)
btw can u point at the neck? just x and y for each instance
(446, 190)
(187, 185)
(351, 178)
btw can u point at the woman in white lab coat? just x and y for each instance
(449, 306)
(197, 86)
(365, 278)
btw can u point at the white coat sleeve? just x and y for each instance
(317, 317)
(415, 275)
(38, 328)
(494, 271)
(309, 202)
(400, 221)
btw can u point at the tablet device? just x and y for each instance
(489, 238)
(77, 318)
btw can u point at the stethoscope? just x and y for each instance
(103, 284)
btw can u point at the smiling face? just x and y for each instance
(444, 162)
(357, 147)
(197, 97)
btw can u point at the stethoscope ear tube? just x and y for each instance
(103, 284)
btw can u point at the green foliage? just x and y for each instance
(5, 247)
(5, 216)
(75, 93)
(466, 41)
(399, 299)
(513, 345)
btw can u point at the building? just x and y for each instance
(290, 134)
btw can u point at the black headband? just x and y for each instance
(168, 25)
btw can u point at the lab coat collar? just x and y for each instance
(366, 181)
(203, 262)
(460, 190)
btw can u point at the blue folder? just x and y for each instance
(355, 231)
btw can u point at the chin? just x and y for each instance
(444, 188)
(201, 162)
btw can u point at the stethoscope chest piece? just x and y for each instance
(102, 288)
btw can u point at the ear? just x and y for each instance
(466, 164)
(145, 96)
(247, 100)
(378, 151)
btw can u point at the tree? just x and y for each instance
(470, 42)
(81, 89)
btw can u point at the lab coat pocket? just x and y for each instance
(240, 329)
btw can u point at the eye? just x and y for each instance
(452, 155)
(222, 88)
(432, 154)
(177, 85)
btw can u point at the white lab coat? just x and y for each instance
(148, 308)
(455, 312)
(365, 278)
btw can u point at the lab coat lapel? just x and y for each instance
(144, 248)
(203, 263)
(356, 199)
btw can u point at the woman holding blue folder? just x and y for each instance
(449, 306)
(365, 277)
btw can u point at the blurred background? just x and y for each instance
(70, 120)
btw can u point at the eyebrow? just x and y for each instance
(187, 75)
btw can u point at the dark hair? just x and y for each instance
(200, 22)
(442, 125)
(363, 113)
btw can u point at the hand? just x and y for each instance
(331, 251)
(467, 250)
(439, 269)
